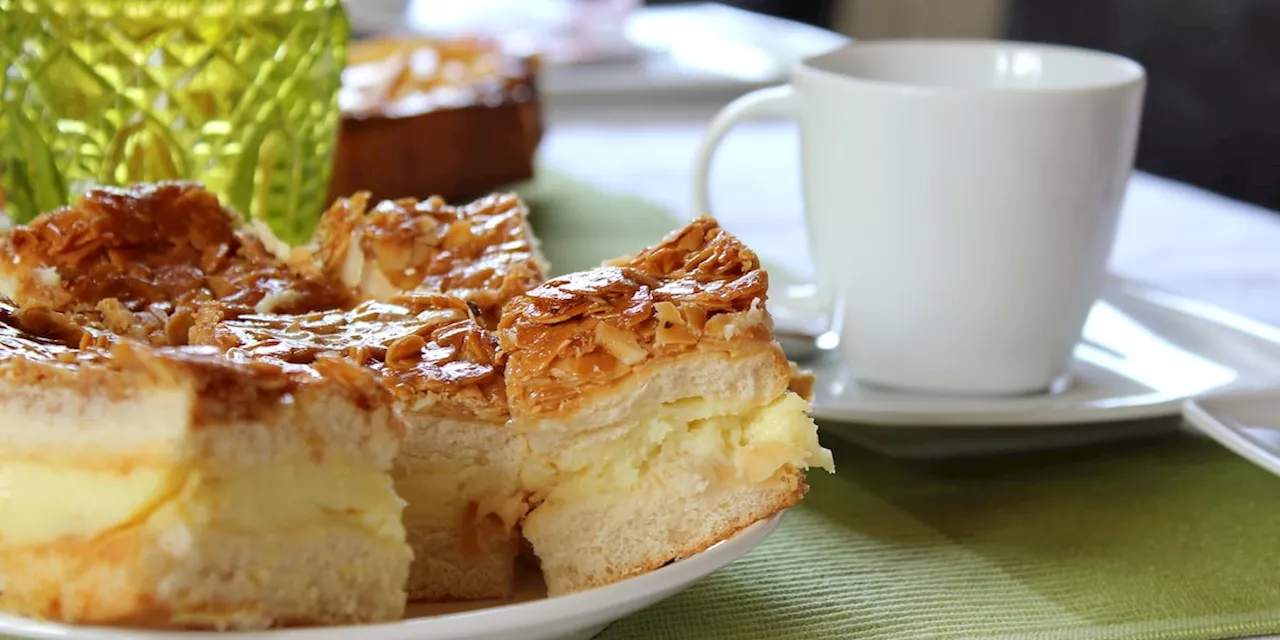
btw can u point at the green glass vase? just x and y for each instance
(240, 95)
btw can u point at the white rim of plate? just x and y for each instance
(1202, 419)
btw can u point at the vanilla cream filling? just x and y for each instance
(449, 494)
(42, 502)
(687, 446)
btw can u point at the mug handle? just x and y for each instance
(771, 101)
(803, 323)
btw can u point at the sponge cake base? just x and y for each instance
(582, 547)
(460, 480)
(450, 565)
(210, 580)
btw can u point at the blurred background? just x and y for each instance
(1213, 103)
(1213, 100)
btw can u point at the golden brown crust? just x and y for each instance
(162, 263)
(698, 289)
(42, 347)
(482, 252)
(41, 336)
(137, 261)
(457, 117)
(429, 350)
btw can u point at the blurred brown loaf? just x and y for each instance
(455, 118)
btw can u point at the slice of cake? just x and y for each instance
(657, 407)
(484, 252)
(146, 262)
(621, 418)
(140, 260)
(173, 487)
(459, 465)
(456, 117)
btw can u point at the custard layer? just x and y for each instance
(690, 444)
(43, 502)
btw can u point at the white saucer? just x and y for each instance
(1245, 421)
(533, 616)
(1145, 351)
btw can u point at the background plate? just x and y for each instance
(1144, 352)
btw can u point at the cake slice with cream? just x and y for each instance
(459, 466)
(658, 408)
(147, 262)
(621, 418)
(173, 487)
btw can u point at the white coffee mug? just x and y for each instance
(961, 200)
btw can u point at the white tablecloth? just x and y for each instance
(1184, 239)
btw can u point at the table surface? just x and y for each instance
(1173, 235)
(1184, 239)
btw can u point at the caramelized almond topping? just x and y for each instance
(700, 288)
(404, 352)
(482, 253)
(41, 347)
(123, 253)
(426, 347)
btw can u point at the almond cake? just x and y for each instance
(172, 487)
(388, 410)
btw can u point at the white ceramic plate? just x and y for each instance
(531, 616)
(1245, 421)
(1145, 351)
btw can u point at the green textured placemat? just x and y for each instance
(1165, 539)
(580, 226)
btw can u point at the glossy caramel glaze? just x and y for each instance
(139, 260)
(483, 252)
(699, 289)
(430, 350)
(41, 348)
(39, 335)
